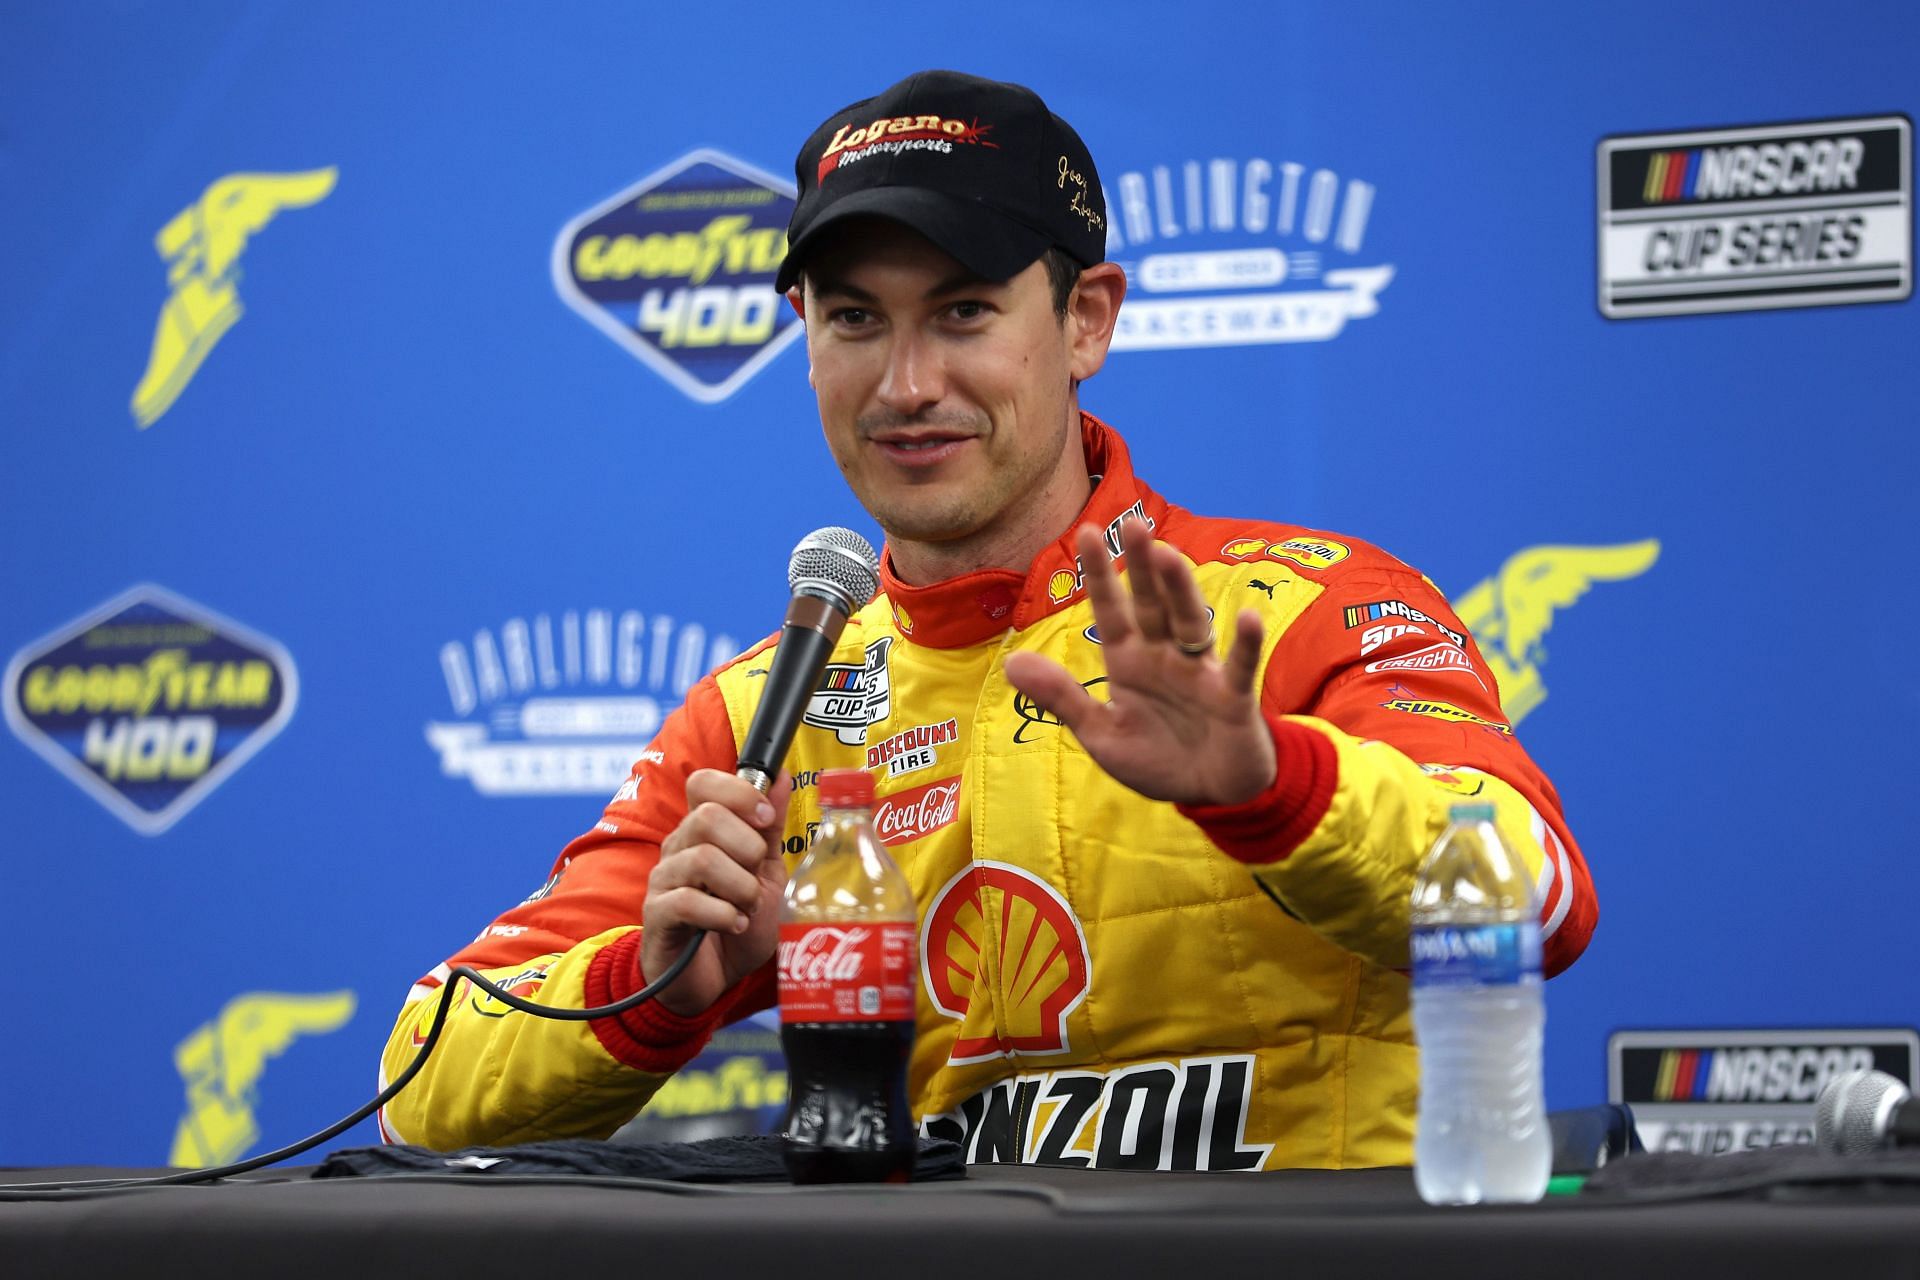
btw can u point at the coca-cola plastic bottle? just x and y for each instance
(847, 975)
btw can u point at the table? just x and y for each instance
(1001, 1222)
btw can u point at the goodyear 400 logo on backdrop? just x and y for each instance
(149, 702)
(679, 269)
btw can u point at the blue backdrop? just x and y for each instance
(355, 518)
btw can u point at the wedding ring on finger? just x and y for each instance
(1199, 648)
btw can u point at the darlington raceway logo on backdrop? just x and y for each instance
(1223, 253)
(150, 702)
(1792, 215)
(1711, 1092)
(202, 245)
(679, 268)
(563, 705)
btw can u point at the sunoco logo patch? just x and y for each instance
(679, 269)
(149, 702)
(1795, 215)
(1712, 1092)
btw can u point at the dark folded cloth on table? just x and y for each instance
(751, 1158)
(1774, 1172)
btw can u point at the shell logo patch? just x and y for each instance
(1244, 548)
(994, 921)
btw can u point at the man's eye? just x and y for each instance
(969, 310)
(851, 316)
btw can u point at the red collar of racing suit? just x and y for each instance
(975, 607)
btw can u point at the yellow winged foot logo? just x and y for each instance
(1512, 611)
(222, 1061)
(202, 246)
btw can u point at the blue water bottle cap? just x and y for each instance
(1471, 813)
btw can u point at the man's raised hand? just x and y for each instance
(1180, 723)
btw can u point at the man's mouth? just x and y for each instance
(919, 451)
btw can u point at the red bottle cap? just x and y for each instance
(846, 789)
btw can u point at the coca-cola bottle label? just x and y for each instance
(846, 972)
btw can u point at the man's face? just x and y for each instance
(945, 398)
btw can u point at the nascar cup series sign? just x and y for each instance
(1712, 1092)
(1794, 215)
(679, 270)
(149, 702)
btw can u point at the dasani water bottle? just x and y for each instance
(1478, 1017)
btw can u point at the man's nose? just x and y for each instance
(914, 378)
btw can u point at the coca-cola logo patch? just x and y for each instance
(918, 811)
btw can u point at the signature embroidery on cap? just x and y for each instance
(1078, 202)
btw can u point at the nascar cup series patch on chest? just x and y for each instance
(679, 269)
(149, 702)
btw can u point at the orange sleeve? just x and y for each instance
(498, 1075)
(1384, 716)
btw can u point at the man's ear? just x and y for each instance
(797, 299)
(1091, 312)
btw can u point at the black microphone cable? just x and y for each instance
(454, 978)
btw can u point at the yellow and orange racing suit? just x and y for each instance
(1105, 979)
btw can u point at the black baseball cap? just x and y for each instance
(979, 167)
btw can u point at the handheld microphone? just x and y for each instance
(832, 573)
(1865, 1111)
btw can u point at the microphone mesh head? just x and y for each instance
(835, 564)
(1851, 1114)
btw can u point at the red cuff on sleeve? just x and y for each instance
(1270, 826)
(646, 1037)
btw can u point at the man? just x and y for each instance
(1163, 879)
